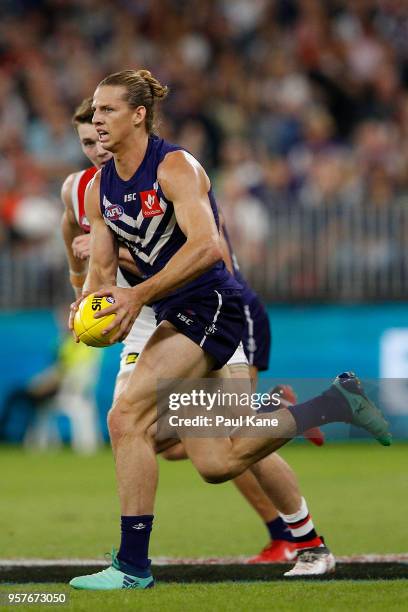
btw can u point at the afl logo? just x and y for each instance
(113, 212)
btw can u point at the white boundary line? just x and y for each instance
(368, 558)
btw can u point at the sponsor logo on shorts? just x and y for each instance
(150, 203)
(184, 318)
(131, 358)
(113, 212)
(210, 329)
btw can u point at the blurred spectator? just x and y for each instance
(52, 142)
(296, 108)
(65, 389)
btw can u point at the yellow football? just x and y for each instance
(87, 328)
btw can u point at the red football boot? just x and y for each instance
(286, 392)
(277, 551)
(314, 435)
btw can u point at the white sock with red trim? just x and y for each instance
(301, 527)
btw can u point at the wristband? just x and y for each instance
(73, 273)
(77, 279)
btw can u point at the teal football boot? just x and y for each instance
(113, 578)
(364, 413)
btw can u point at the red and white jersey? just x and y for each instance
(145, 324)
(78, 196)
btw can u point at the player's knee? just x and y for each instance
(216, 476)
(123, 421)
(214, 472)
(118, 424)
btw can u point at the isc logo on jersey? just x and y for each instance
(113, 212)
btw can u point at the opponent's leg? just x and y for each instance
(248, 486)
(280, 547)
(276, 479)
(276, 485)
(274, 482)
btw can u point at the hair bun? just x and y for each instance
(157, 89)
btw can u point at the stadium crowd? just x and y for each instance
(297, 108)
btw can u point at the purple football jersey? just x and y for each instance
(143, 219)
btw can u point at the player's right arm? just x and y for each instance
(70, 230)
(103, 261)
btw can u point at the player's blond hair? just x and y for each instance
(83, 112)
(142, 89)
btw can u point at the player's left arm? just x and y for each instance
(71, 230)
(185, 183)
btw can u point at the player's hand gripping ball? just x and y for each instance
(88, 329)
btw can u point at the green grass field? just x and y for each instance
(230, 597)
(62, 505)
